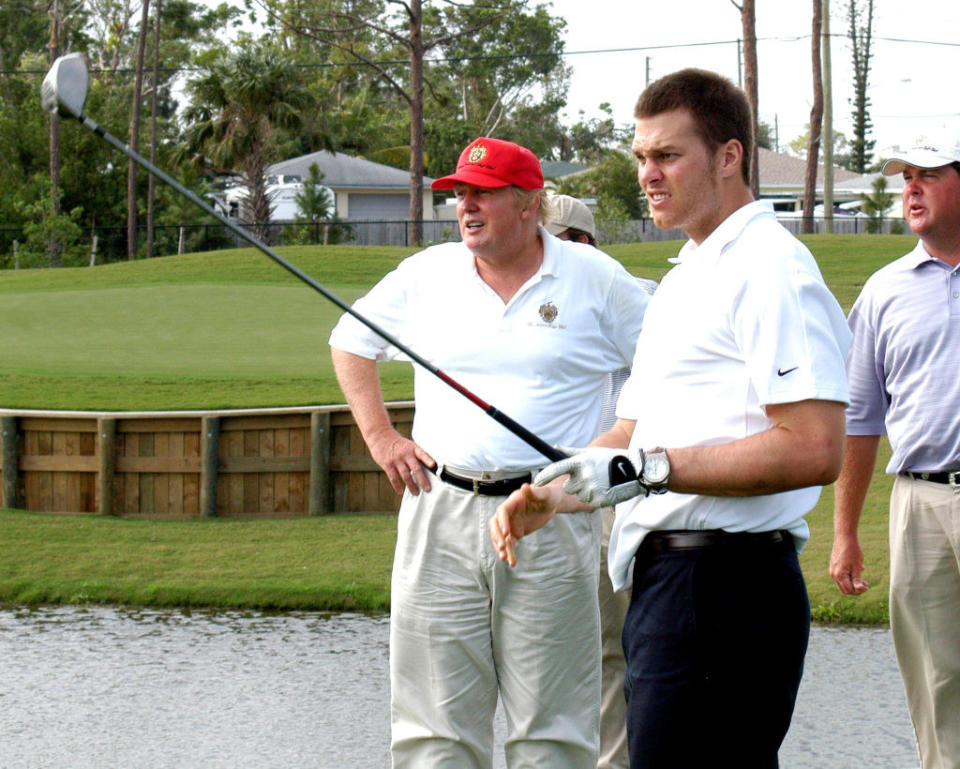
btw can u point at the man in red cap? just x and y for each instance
(533, 324)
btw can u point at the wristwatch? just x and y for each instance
(656, 471)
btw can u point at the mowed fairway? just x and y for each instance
(224, 330)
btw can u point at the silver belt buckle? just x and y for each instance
(954, 480)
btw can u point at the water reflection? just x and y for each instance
(101, 686)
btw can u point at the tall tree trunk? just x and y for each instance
(151, 183)
(135, 134)
(748, 20)
(827, 140)
(54, 246)
(416, 122)
(816, 122)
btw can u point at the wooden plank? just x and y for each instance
(298, 492)
(10, 462)
(210, 450)
(191, 494)
(371, 493)
(160, 425)
(233, 448)
(59, 464)
(265, 422)
(243, 465)
(320, 441)
(58, 424)
(352, 464)
(107, 464)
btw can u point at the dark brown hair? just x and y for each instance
(719, 109)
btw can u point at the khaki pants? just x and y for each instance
(613, 707)
(925, 613)
(465, 628)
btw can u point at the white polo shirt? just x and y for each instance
(542, 358)
(743, 320)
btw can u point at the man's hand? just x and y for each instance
(526, 510)
(846, 565)
(402, 460)
(599, 477)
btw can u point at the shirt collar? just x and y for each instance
(551, 251)
(920, 256)
(726, 232)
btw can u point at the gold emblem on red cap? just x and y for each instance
(477, 153)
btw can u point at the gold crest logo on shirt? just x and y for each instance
(478, 153)
(549, 312)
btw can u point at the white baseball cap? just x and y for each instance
(928, 153)
(570, 213)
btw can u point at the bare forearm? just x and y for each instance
(360, 382)
(854, 481)
(804, 447)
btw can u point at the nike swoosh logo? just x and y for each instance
(784, 373)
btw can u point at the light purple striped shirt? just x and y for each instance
(904, 364)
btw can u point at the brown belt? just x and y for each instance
(668, 541)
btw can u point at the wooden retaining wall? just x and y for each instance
(270, 462)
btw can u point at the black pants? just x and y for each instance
(714, 641)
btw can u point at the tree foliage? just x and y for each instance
(860, 18)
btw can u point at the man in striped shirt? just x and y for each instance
(904, 383)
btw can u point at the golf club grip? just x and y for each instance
(532, 440)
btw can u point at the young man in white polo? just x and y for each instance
(731, 421)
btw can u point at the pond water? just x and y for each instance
(104, 687)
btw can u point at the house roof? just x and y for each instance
(343, 171)
(786, 174)
(555, 169)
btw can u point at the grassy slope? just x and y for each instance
(232, 329)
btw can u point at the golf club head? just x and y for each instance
(65, 85)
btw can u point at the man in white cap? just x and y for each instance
(904, 383)
(572, 220)
(534, 324)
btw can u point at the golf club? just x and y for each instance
(64, 90)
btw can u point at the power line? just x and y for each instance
(529, 55)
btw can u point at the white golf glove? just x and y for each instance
(599, 476)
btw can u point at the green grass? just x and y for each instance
(337, 562)
(232, 330)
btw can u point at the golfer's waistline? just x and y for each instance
(492, 488)
(950, 477)
(657, 542)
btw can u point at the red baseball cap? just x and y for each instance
(494, 163)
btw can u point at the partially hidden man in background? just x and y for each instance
(534, 324)
(571, 219)
(730, 422)
(904, 370)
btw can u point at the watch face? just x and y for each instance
(656, 467)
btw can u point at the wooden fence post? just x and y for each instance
(210, 459)
(319, 462)
(107, 447)
(11, 462)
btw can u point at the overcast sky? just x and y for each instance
(912, 84)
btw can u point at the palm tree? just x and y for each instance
(239, 107)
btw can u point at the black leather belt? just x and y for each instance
(501, 488)
(667, 541)
(951, 477)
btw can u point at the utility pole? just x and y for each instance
(827, 123)
(53, 244)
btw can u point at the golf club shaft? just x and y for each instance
(551, 452)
